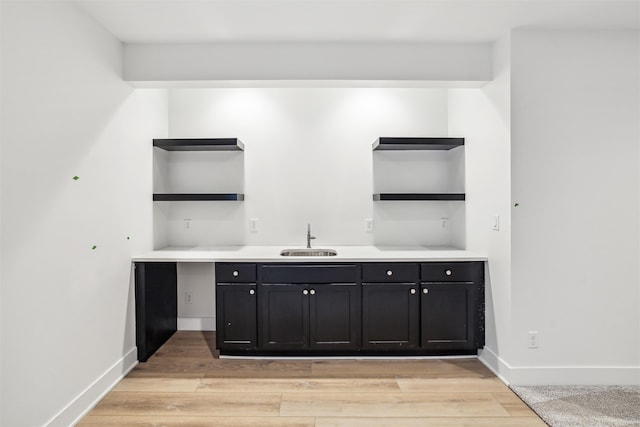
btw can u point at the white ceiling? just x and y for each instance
(204, 21)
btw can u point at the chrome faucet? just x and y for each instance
(309, 236)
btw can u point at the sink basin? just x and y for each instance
(308, 252)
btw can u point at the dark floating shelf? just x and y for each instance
(384, 143)
(198, 197)
(199, 144)
(418, 196)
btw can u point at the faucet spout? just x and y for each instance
(309, 236)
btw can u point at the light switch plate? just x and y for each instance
(368, 225)
(496, 223)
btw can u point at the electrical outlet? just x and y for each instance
(188, 297)
(533, 339)
(368, 225)
(444, 222)
(253, 225)
(187, 224)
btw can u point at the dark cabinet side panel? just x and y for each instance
(284, 316)
(156, 305)
(236, 316)
(390, 316)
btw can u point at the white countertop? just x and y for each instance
(272, 254)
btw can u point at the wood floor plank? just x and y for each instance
(171, 404)
(176, 367)
(187, 384)
(421, 368)
(470, 367)
(428, 422)
(194, 421)
(421, 385)
(184, 385)
(190, 351)
(391, 405)
(280, 385)
(513, 404)
(239, 368)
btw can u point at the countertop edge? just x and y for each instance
(310, 259)
(272, 254)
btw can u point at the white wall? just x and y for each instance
(149, 64)
(307, 159)
(483, 117)
(1, 210)
(67, 309)
(575, 234)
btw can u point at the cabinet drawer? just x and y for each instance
(452, 272)
(235, 273)
(305, 273)
(389, 272)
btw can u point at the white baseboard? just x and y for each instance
(559, 375)
(575, 375)
(495, 364)
(90, 396)
(196, 323)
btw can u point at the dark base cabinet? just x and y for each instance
(391, 306)
(334, 317)
(447, 312)
(452, 306)
(390, 316)
(323, 309)
(342, 309)
(284, 316)
(236, 307)
(156, 305)
(309, 307)
(236, 316)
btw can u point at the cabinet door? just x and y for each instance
(236, 316)
(334, 316)
(447, 313)
(390, 316)
(284, 316)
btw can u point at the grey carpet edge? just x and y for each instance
(513, 389)
(536, 398)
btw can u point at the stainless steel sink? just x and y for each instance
(308, 252)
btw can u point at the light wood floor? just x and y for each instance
(186, 384)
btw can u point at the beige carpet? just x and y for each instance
(584, 406)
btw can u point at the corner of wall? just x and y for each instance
(90, 396)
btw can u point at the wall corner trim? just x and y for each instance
(90, 396)
(495, 364)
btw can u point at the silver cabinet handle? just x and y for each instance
(235, 273)
(425, 291)
(312, 292)
(252, 291)
(305, 292)
(413, 291)
(448, 272)
(389, 273)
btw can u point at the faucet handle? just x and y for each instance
(309, 236)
